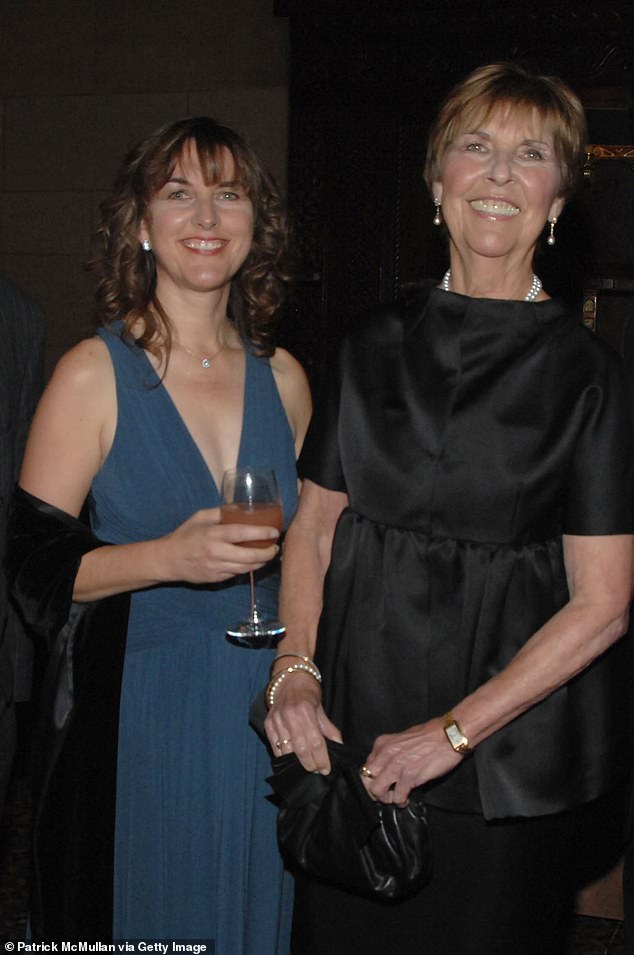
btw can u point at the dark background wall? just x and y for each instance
(365, 82)
(83, 80)
(343, 89)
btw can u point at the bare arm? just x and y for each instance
(71, 436)
(599, 571)
(297, 714)
(295, 394)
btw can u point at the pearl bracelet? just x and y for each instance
(276, 681)
(300, 656)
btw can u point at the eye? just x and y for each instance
(533, 154)
(229, 196)
(178, 194)
(474, 147)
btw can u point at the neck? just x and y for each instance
(489, 278)
(198, 320)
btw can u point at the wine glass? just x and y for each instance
(250, 495)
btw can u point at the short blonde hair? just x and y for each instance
(488, 87)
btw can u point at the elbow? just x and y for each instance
(617, 625)
(623, 622)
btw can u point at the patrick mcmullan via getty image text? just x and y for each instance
(121, 948)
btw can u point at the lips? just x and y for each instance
(494, 207)
(205, 245)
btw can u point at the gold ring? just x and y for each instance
(285, 742)
(366, 772)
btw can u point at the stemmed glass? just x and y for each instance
(250, 495)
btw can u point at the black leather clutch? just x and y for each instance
(331, 828)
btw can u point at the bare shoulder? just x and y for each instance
(294, 391)
(283, 363)
(85, 366)
(73, 427)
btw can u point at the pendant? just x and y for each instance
(205, 362)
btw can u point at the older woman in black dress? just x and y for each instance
(468, 488)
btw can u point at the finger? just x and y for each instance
(208, 514)
(280, 739)
(327, 728)
(233, 568)
(394, 790)
(379, 783)
(301, 723)
(312, 753)
(242, 534)
(252, 557)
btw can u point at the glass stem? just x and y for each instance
(255, 617)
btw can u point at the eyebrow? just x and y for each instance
(226, 184)
(525, 142)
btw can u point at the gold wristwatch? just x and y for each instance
(457, 740)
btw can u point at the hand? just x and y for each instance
(203, 551)
(297, 723)
(401, 761)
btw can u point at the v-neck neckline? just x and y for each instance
(172, 404)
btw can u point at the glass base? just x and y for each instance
(264, 635)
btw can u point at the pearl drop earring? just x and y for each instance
(147, 245)
(551, 236)
(437, 220)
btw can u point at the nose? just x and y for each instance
(501, 169)
(205, 214)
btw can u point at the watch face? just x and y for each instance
(457, 739)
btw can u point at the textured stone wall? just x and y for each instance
(83, 80)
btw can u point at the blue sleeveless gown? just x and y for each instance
(195, 848)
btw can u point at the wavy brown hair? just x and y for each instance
(127, 283)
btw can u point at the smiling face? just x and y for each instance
(499, 183)
(200, 232)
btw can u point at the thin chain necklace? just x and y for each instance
(204, 360)
(533, 292)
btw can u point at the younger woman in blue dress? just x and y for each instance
(181, 383)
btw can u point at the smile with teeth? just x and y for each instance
(494, 207)
(204, 245)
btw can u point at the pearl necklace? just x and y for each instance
(533, 292)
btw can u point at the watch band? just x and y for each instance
(457, 740)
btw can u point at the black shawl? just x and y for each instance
(76, 743)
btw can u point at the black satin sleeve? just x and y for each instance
(320, 459)
(600, 486)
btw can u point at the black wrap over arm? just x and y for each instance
(45, 548)
(76, 743)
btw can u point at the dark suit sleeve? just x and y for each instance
(22, 331)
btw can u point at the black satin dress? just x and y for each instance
(469, 435)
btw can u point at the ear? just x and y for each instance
(556, 208)
(436, 190)
(144, 232)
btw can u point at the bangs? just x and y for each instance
(220, 162)
(215, 146)
(480, 111)
(519, 93)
